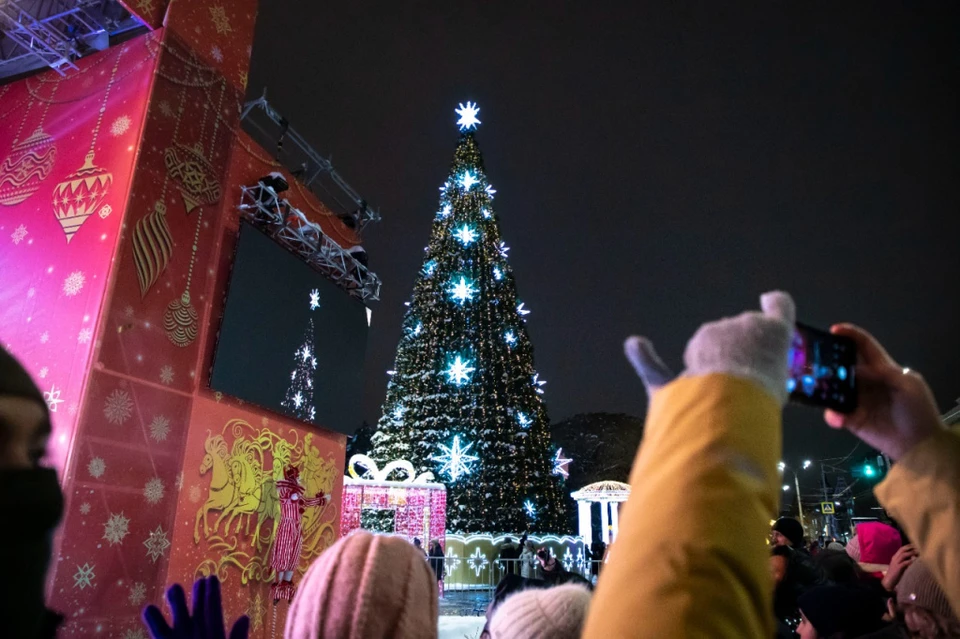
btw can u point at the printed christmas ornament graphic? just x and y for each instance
(29, 163)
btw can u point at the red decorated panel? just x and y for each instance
(228, 509)
(68, 146)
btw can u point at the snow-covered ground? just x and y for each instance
(461, 627)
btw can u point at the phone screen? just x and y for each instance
(822, 370)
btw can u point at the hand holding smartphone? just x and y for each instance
(822, 370)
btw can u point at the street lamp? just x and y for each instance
(807, 463)
(781, 466)
(786, 487)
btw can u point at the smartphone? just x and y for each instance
(822, 370)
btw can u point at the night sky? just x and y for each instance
(656, 166)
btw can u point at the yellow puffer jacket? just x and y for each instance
(690, 559)
(922, 492)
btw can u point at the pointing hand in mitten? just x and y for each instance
(752, 346)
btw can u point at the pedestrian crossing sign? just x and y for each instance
(826, 507)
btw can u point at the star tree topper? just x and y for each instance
(468, 116)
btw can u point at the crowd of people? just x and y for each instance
(707, 465)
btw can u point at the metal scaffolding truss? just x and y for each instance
(290, 227)
(54, 33)
(270, 129)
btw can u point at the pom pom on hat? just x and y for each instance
(554, 613)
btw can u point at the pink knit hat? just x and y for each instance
(366, 587)
(542, 613)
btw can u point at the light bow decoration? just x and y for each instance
(376, 474)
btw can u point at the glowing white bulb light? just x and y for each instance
(459, 371)
(468, 180)
(456, 459)
(466, 235)
(781, 466)
(468, 115)
(462, 291)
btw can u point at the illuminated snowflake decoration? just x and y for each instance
(398, 412)
(444, 212)
(73, 283)
(530, 509)
(298, 399)
(459, 371)
(116, 528)
(84, 336)
(118, 407)
(523, 420)
(504, 249)
(510, 338)
(429, 268)
(522, 311)
(490, 191)
(96, 467)
(138, 594)
(462, 291)
(156, 544)
(444, 187)
(468, 115)
(468, 180)
(466, 235)
(497, 273)
(486, 213)
(306, 353)
(166, 375)
(416, 330)
(561, 464)
(120, 126)
(153, 491)
(456, 459)
(567, 560)
(84, 576)
(314, 299)
(18, 234)
(159, 428)
(538, 383)
(52, 397)
(313, 413)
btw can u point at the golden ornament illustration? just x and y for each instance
(181, 321)
(29, 163)
(77, 197)
(152, 246)
(194, 173)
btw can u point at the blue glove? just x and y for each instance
(206, 622)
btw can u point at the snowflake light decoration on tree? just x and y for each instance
(503, 249)
(465, 234)
(530, 509)
(462, 291)
(478, 562)
(398, 412)
(73, 283)
(429, 267)
(96, 467)
(314, 299)
(468, 180)
(459, 371)
(510, 338)
(153, 491)
(116, 528)
(52, 397)
(561, 464)
(486, 213)
(538, 383)
(156, 544)
(497, 273)
(456, 459)
(468, 115)
(118, 407)
(490, 191)
(84, 576)
(521, 311)
(523, 420)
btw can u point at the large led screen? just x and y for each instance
(291, 340)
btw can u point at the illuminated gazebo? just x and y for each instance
(609, 494)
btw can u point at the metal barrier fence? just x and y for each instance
(466, 575)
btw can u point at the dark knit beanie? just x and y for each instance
(918, 587)
(791, 529)
(853, 611)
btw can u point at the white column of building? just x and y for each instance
(583, 518)
(614, 519)
(605, 521)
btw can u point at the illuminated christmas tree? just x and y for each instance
(464, 400)
(298, 399)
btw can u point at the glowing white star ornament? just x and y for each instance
(530, 509)
(314, 299)
(462, 291)
(468, 116)
(466, 235)
(560, 464)
(468, 180)
(510, 338)
(456, 459)
(459, 371)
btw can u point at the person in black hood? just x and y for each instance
(33, 493)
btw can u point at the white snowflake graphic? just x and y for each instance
(85, 508)
(194, 494)
(120, 126)
(105, 211)
(216, 53)
(166, 375)
(153, 491)
(73, 408)
(133, 633)
(84, 336)
(84, 576)
(159, 428)
(178, 482)
(43, 372)
(73, 283)
(44, 337)
(165, 109)
(156, 544)
(52, 398)
(477, 561)
(118, 407)
(18, 234)
(96, 467)
(116, 528)
(128, 312)
(138, 593)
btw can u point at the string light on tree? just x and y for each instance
(466, 235)
(468, 116)
(459, 371)
(456, 459)
(561, 464)
(462, 291)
